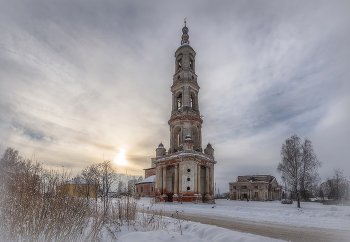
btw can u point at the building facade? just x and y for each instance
(256, 188)
(146, 187)
(185, 172)
(79, 187)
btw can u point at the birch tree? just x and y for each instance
(299, 165)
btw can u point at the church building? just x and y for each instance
(256, 188)
(185, 173)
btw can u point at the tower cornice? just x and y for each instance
(179, 83)
(185, 116)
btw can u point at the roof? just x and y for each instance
(78, 180)
(184, 44)
(149, 179)
(150, 168)
(255, 179)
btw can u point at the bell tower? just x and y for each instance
(185, 173)
(185, 118)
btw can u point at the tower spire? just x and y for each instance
(185, 35)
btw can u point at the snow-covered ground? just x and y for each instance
(179, 231)
(310, 214)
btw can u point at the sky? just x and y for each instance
(83, 81)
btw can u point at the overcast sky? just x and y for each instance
(81, 81)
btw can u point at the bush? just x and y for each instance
(32, 209)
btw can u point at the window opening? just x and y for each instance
(193, 102)
(179, 64)
(179, 101)
(188, 188)
(188, 179)
(188, 170)
(179, 137)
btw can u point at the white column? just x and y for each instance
(196, 180)
(176, 185)
(159, 176)
(211, 180)
(164, 180)
(207, 180)
(199, 179)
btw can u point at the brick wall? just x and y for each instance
(150, 172)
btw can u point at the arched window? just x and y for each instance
(193, 102)
(179, 101)
(177, 138)
(179, 63)
(192, 64)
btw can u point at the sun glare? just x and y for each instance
(120, 159)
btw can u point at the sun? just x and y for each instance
(119, 159)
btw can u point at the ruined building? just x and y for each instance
(185, 172)
(256, 187)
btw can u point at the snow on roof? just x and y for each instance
(149, 179)
(183, 153)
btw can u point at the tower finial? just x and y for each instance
(185, 36)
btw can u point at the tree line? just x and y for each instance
(100, 179)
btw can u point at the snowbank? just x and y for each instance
(192, 232)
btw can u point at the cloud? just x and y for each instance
(82, 79)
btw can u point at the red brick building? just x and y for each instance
(145, 188)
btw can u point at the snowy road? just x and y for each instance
(268, 229)
(311, 222)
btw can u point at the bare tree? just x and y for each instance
(310, 178)
(120, 187)
(91, 176)
(132, 184)
(299, 165)
(107, 176)
(338, 178)
(338, 187)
